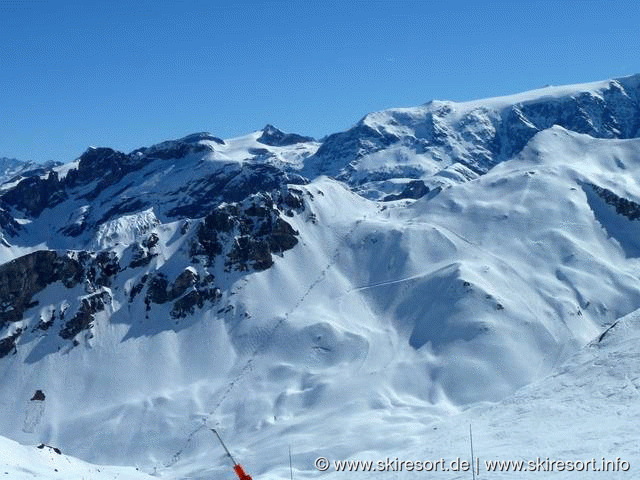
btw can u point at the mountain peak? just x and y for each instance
(201, 136)
(275, 137)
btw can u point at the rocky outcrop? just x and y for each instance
(140, 256)
(414, 189)
(180, 148)
(33, 194)
(160, 291)
(196, 298)
(105, 164)
(38, 396)
(100, 268)
(143, 253)
(82, 320)
(254, 228)
(623, 206)
(22, 278)
(277, 138)
(184, 281)
(188, 290)
(157, 290)
(25, 276)
(8, 225)
(248, 252)
(8, 344)
(232, 184)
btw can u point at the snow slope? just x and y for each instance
(19, 462)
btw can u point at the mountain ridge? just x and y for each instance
(146, 293)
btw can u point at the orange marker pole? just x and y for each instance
(242, 475)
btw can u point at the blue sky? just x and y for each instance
(128, 74)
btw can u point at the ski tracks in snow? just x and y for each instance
(248, 366)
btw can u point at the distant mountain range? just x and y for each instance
(11, 168)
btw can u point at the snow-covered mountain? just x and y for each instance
(442, 141)
(349, 297)
(13, 170)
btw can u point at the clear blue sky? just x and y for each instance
(128, 74)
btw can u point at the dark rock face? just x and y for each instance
(25, 276)
(185, 280)
(105, 163)
(54, 449)
(85, 315)
(282, 236)
(8, 344)
(194, 299)
(33, 194)
(188, 291)
(178, 148)
(248, 250)
(623, 206)
(143, 253)
(414, 189)
(8, 225)
(104, 267)
(157, 290)
(151, 241)
(256, 227)
(175, 150)
(277, 138)
(233, 183)
(293, 199)
(197, 137)
(106, 167)
(140, 256)
(38, 396)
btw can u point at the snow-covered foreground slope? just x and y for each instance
(586, 410)
(20, 462)
(559, 418)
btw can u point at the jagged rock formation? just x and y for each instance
(277, 138)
